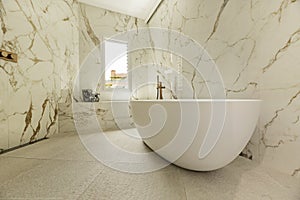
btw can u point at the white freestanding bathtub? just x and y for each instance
(201, 134)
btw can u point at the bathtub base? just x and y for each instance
(180, 141)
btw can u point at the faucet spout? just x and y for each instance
(157, 87)
(160, 90)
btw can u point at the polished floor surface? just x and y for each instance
(61, 168)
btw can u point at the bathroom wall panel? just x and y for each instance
(113, 115)
(4, 133)
(3, 111)
(33, 118)
(44, 34)
(95, 25)
(65, 121)
(281, 128)
(109, 116)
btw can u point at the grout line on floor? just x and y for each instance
(178, 174)
(49, 159)
(88, 186)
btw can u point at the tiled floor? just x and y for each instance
(61, 168)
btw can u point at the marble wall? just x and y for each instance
(255, 44)
(110, 115)
(256, 47)
(95, 25)
(44, 34)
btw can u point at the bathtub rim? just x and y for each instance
(197, 100)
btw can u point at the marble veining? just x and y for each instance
(44, 35)
(294, 38)
(240, 37)
(255, 44)
(216, 23)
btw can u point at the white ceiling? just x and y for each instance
(142, 9)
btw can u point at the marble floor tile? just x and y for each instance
(128, 140)
(240, 180)
(61, 168)
(13, 167)
(55, 179)
(110, 184)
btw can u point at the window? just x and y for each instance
(116, 64)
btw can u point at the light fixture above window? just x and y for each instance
(143, 9)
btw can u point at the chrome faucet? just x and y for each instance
(159, 88)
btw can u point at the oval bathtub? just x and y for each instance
(200, 134)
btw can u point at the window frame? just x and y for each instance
(129, 77)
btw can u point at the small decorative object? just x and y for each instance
(8, 56)
(90, 96)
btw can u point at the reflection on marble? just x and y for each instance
(109, 116)
(257, 54)
(44, 35)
